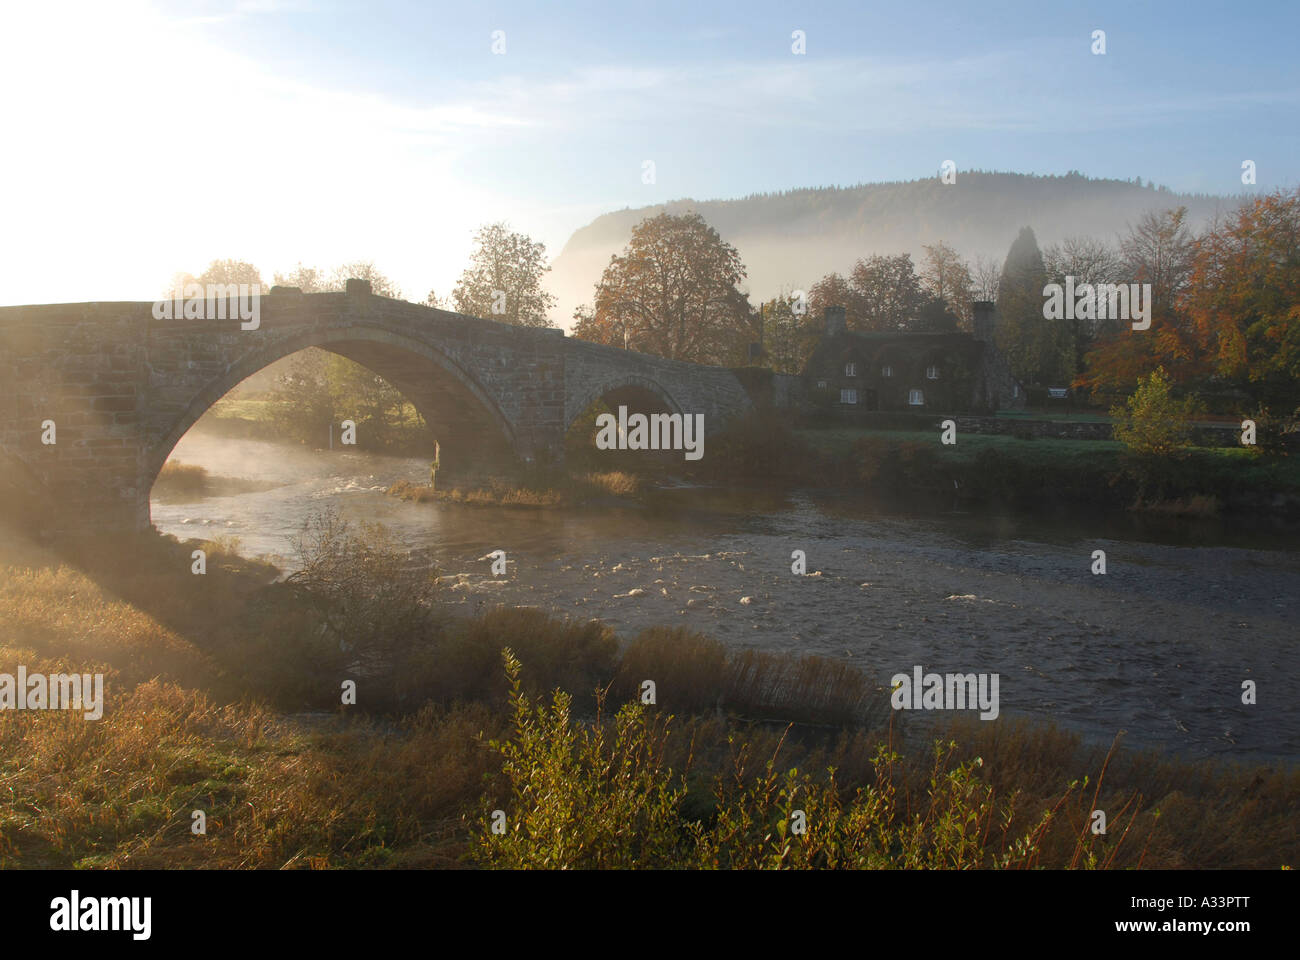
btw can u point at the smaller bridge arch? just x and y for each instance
(636, 391)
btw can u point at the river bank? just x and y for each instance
(1188, 607)
(1018, 469)
(218, 692)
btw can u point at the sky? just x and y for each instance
(138, 140)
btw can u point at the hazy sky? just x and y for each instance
(137, 140)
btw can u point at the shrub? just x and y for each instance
(177, 477)
(578, 655)
(1151, 423)
(579, 797)
(759, 446)
(605, 795)
(366, 600)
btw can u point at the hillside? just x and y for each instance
(791, 239)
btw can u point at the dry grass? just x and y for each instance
(177, 735)
(201, 675)
(404, 490)
(543, 491)
(500, 494)
(614, 483)
(694, 673)
(495, 494)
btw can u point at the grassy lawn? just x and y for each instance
(1049, 468)
(838, 440)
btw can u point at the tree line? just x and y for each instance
(1224, 306)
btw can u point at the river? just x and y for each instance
(1159, 646)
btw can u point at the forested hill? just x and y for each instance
(793, 238)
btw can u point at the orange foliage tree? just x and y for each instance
(1236, 318)
(1244, 297)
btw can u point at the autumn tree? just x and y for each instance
(318, 389)
(1161, 251)
(504, 279)
(315, 280)
(890, 291)
(673, 292)
(218, 271)
(306, 279)
(788, 336)
(1088, 261)
(380, 285)
(834, 290)
(1243, 298)
(946, 278)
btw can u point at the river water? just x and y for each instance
(1159, 646)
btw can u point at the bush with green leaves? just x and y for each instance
(604, 795)
(1152, 422)
(583, 797)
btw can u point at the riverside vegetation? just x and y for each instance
(910, 467)
(223, 694)
(1151, 466)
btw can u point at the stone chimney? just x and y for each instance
(358, 287)
(983, 319)
(835, 323)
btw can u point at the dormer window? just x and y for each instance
(932, 372)
(850, 369)
(886, 371)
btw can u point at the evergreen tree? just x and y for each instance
(1039, 350)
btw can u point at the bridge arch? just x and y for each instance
(459, 412)
(639, 392)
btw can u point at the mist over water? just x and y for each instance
(1158, 647)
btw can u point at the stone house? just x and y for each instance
(852, 372)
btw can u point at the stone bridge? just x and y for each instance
(122, 387)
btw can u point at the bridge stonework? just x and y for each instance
(122, 388)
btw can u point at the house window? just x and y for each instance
(1015, 389)
(821, 384)
(932, 372)
(915, 398)
(848, 396)
(850, 369)
(886, 371)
